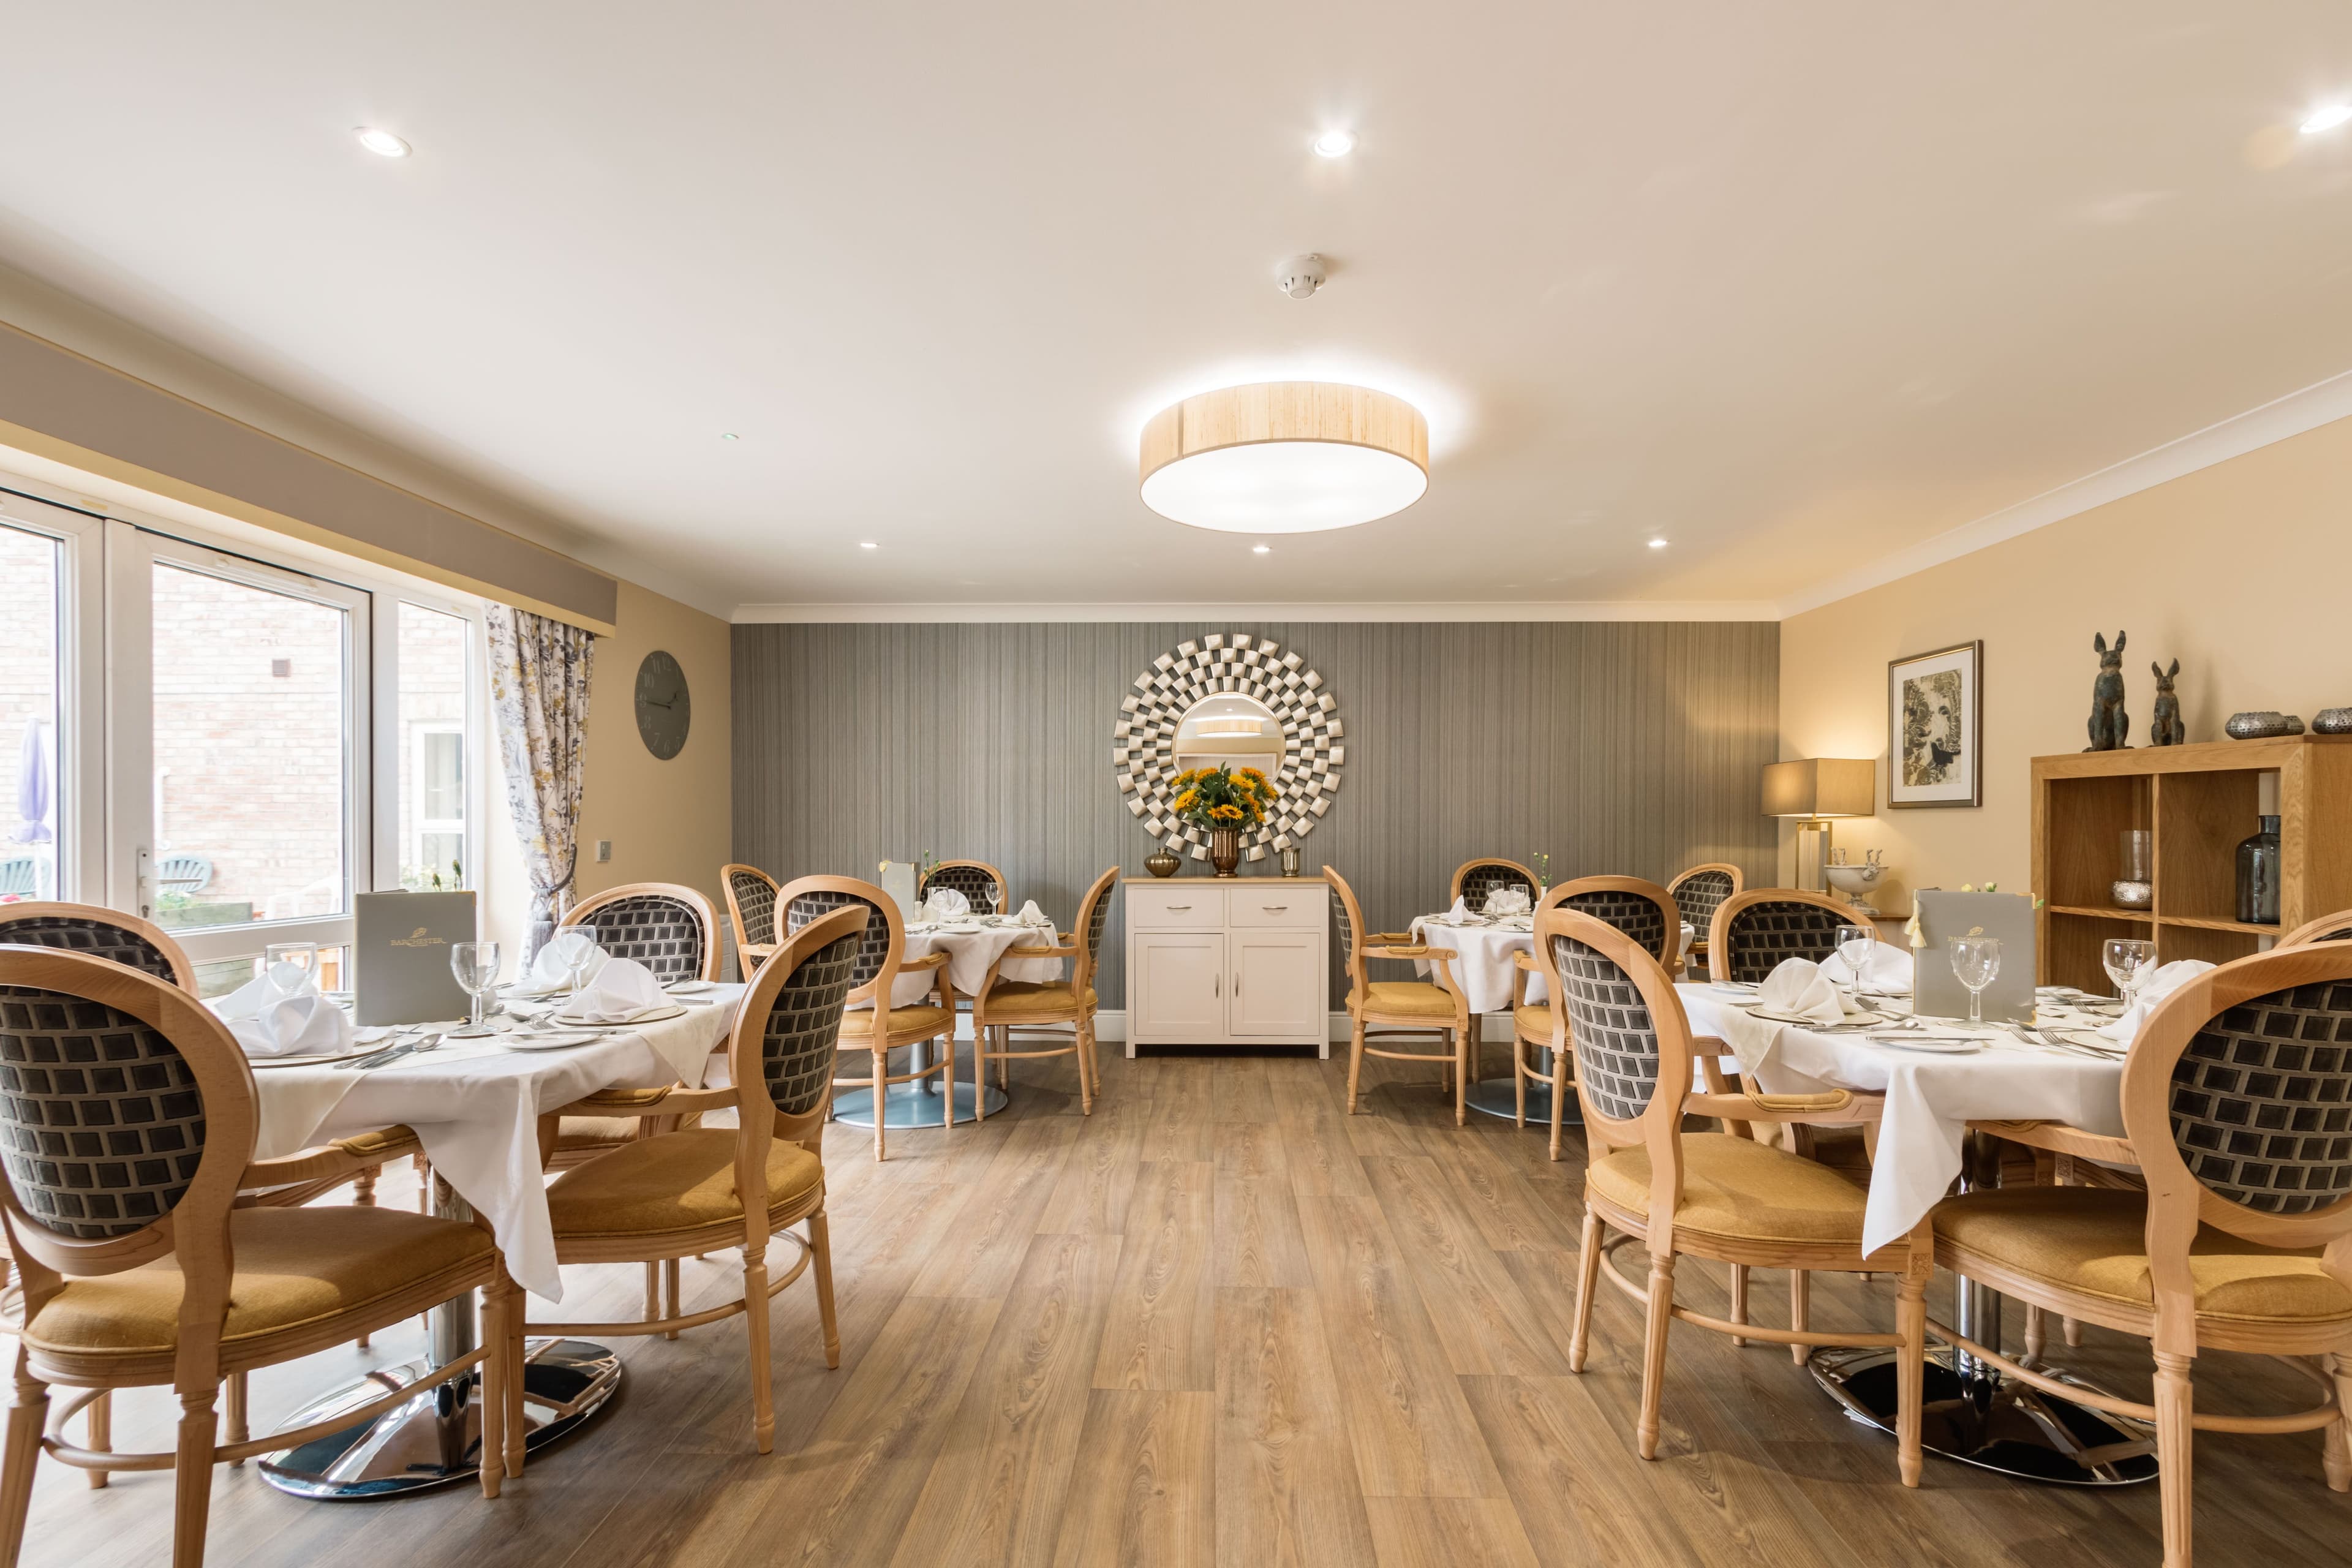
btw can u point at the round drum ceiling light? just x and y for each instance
(1285, 457)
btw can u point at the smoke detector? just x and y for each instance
(1300, 276)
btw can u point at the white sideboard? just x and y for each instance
(1228, 961)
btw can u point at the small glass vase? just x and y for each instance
(2257, 875)
(1224, 850)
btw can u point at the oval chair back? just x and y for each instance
(981, 883)
(1699, 891)
(2337, 927)
(1642, 909)
(1093, 918)
(1349, 915)
(1474, 879)
(1755, 932)
(750, 905)
(881, 945)
(1631, 1043)
(671, 929)
(786, 1036)
(99, 933)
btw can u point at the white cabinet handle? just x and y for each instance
(1274, 909)
(1217, 986)
(1172, 907)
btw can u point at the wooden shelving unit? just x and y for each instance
(2200, 802)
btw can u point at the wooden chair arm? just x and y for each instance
(1838, 1107)
(1384, 937)
(1069, 951)
(343, 1157)
(2061, 1139)
(1527, 961)
(929, 961)
(1445, 955)
(674, 1100)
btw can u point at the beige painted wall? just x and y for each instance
(2229, 569)
(668, 821)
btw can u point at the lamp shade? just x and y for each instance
(1822, 787)
(1289, 456)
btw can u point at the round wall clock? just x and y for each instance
(664, 708)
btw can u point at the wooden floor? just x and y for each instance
(1220, 1322)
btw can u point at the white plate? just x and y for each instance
(548, 1042)
(650, 1015)
(1802, 1022)
(963, 930)
(2092, 1038)
(321, 1058)
(690, 987)
(1929, 1045)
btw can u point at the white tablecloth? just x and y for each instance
(969, 956)
(476, 1105)
(1930, 1099)
(1485, 969)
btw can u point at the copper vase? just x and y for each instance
(1225, 849)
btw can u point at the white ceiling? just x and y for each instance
(1796, 285)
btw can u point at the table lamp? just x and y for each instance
(1814, 791)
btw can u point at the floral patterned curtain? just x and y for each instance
(538, 690)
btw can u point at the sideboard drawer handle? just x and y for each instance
(1274, 909)
(1175, 907)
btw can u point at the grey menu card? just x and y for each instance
(400, 968)
(1936, 992)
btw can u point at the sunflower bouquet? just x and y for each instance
(1230, 798)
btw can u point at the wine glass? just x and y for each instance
(475, 966)
(290, 967)
(1975, 960)
(2128, 961)
(576, 949)
(1853, 946)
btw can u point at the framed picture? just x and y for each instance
(1935, 728)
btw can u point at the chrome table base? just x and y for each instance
(1494, 1097)
(432, 1440)
(917, 1104)
(1996, 1423)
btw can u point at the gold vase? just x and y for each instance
(1225, 849)
(1163, 861)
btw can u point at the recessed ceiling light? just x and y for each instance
(1335, 144)
(382, 143)
(868, 544)
(1657, 544)
(2326, 118)
(1261, 550)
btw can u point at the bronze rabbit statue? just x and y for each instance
(2166, 728)
(2109, 724)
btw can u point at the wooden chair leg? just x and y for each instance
(1462, 1049)
(756, 1309)
(669, 1292)
(1910, 1371)
(1657, 1318)
(881, 1093)
(2175, 1404)
(1354, 1062)
(821, 1263)
(2036, 1335)
(1588, 1274)
(653, 1291)
(1739, 1301)
(29, 1416)
(517, 1327)
(1004, 1057)
(493, 1312)
(191, 1474)
(1087, 1088)
(1800, 1310)
(1518, 1081)
(1560, 1087)
(2337, 1455)
(239, 1393)
(363, 1188)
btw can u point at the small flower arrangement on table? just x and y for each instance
(1226, 800)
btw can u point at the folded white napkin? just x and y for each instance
(622, 989)
(1457, 914)
(946, 904)
(1031, 915)
(1885, 967)
(1508, 901)
(1800, 988)
(268, 1022)
(547, 969)
(2167, 979)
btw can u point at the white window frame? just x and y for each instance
(82, 685)
(390, 597)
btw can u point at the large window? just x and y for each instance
(30, 811)
(432, 743)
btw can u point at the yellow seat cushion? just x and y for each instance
(1741, 1191)
(1533, 1019)
(1014, 1000)
(294, 1266)
(2094, 1240)
(920, 1021)
(1410, 998)
(677, 1180)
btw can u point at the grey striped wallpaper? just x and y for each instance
(1626, 747)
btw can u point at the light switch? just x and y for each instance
(604, 850)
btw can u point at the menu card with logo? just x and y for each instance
(1936, 992)
(898, 880)
(400, 967)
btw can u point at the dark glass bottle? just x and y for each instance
(2257, 875)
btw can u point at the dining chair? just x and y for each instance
(881, 959)
(2234, 1100)
(1039, 1009)
(1474, 879)
(2337, 927)
(1698, 892)
(1705, 1194)
(141, 1266)
(704, 1189)
(1387, 1009)
(752, 910)
(1643, 911)
(981, 883)
(100, 933)
(672, 930)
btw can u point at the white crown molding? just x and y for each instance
(1629, 610)
(2323, 403)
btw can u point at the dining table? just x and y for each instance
(1945, 1085)
(475, 1105)
(972, 943)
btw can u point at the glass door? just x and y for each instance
(49, 742)
(238, 792)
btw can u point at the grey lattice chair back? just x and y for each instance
(1609, 1028)
(1476, 879)
(1759, 932)
(1093, 918)
(1643, 911)
(1700, 892)
(808, 898)
(98, 933)
(752, 899)
(104, 1121)
(804, 1026)
(2262, 1099)
(670, 930)
(982, 884)
(1346, 917)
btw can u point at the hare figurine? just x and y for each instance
(2165, 728)
(2109, 724)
